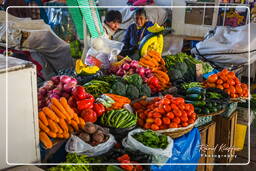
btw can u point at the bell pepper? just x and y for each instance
(84, 104)
(123, 157)
(79, 93)
(89, 115)
(126, 167)
(99, 109)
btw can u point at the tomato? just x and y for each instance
(167, 108)
(226, 85)
(174, 106)
(190, 121)
(165, 101)
(244, 86)
(219, 81)
(168, 96)
(177, 113)
(224, 78)
(189, 113)
(225, 71)
(170, 115)
(160, 110)
(193, 116)
(232, 89)
(192, 108)
(156, 99)
(211, 85)
(220, 87)
(239, 89)
(89, 115)
(213, 78)
(150, 114)
(162, 127)
(142, 116)
(182, 106)
(231, 82)
(173, 125)
(137, 105)
(140, 122)
(184, 118)
(237, 81)
(184, 124)
(187, 107)
(154, 127)
(177, 120)
(166, 120)
(180, 100)
(147, 125)
(233, 95)
(157, 115)
(231, 75)
(149, 120)
(158, 121)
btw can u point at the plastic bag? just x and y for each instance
(104, 50)
(77, 145)
(159, 155)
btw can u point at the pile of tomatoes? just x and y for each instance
(164, 113)
(227, 81)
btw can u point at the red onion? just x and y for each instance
(65, 79)
(42, 91)
(73, 81)
(120, 72)
(56, 79)
(149, 75)
(69, 86)
(147, 71)
(48, 85)
(140, 71)
(60, 86)
(134, 64)
(126, 66)
(66, 95)
(56, 91)
(54, 96)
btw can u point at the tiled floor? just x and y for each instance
(243, 157)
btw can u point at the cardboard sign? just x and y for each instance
(199, 72)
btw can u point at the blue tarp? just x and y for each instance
(185, 150)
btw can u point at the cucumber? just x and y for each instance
(206, 111)
(213, 110)
(193, 97)
(196, 103)
(195, 90)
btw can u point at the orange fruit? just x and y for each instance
(219, 81)
(220, 87)
(211, 85)
(231, 82)
(232, 89)
(226, 85)
(231, 75)
(213, 78)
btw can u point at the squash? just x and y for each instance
(155, 28)
(151, 42)
(82, 69)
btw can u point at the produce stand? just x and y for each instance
(159, 109)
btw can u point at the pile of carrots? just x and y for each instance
(156, 63)
(58, 121)
(120, 101)
(227, 81)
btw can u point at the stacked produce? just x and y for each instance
(97, 87)
(93, 134)
(58, 86)
(120, 101)
(163, 113)
(227, 81)
(119, 119)
(84, 104)
(155, 62)
(206, 101)
(131, 86)
(58, 121)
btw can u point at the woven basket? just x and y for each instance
(178, 133)
(240, 99)
(212, 114)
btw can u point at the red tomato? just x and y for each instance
(154, 127)
(158, 121)
(147, 126)
(167, 108)
(157, 115)
(165, 101)
(176, 120)
(192, 108)
(189, 113)
(174, 106)
(166, 121)
(187, 107)
(142, 116)
(170, 115)
(182, 106)
(168, 96)
(180, 100)
(149, 120)
(184, 124)
(190, 121)
(173, 125)
(140, 122)
(89, 115)
(213, 78)
(177, 113)
(184, 119)
(193, 116)
(231, 82)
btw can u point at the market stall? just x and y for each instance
(152, 112)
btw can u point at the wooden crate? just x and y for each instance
(207, 133)
(225, 137)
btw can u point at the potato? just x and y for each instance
(89, 128)
(85, 137)
(99, 137)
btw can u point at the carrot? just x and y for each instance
(43, 127)
(45, 139)
(76, 118)
(70, 129)
(53, 126)
(66, 106)
(60, 136)
(52, 134)
(66, 135)
(57, 111)
(75, 125)
(59, 105)
(59, 129)
(63, 125)
(81, 122)
(48, 112)
(43, 118)
(146, 62)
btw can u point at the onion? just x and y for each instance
(114, 69)
(147, 71)
(48, 85)
(54, 96)
(69, 86)
(42, 91)
(66, 95)
(134, 64)
(126, 66)
(120, 72)
(73, 81)
(65, 79)
(56, 79)
(60, 86)
(56, 91)
(149, 75)
(140, 71)
(40, 97)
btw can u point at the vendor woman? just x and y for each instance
(112, 23)
(135, 34)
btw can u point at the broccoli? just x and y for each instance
(145, 90)
(132, 92)
(119, 88)
(134, 79)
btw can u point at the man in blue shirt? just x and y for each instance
(135, 33)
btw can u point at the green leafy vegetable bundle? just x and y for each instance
(97, 87)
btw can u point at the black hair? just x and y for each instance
(114, 16)
(140, 11)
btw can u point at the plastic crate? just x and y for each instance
(203, 120)
(230, 109)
